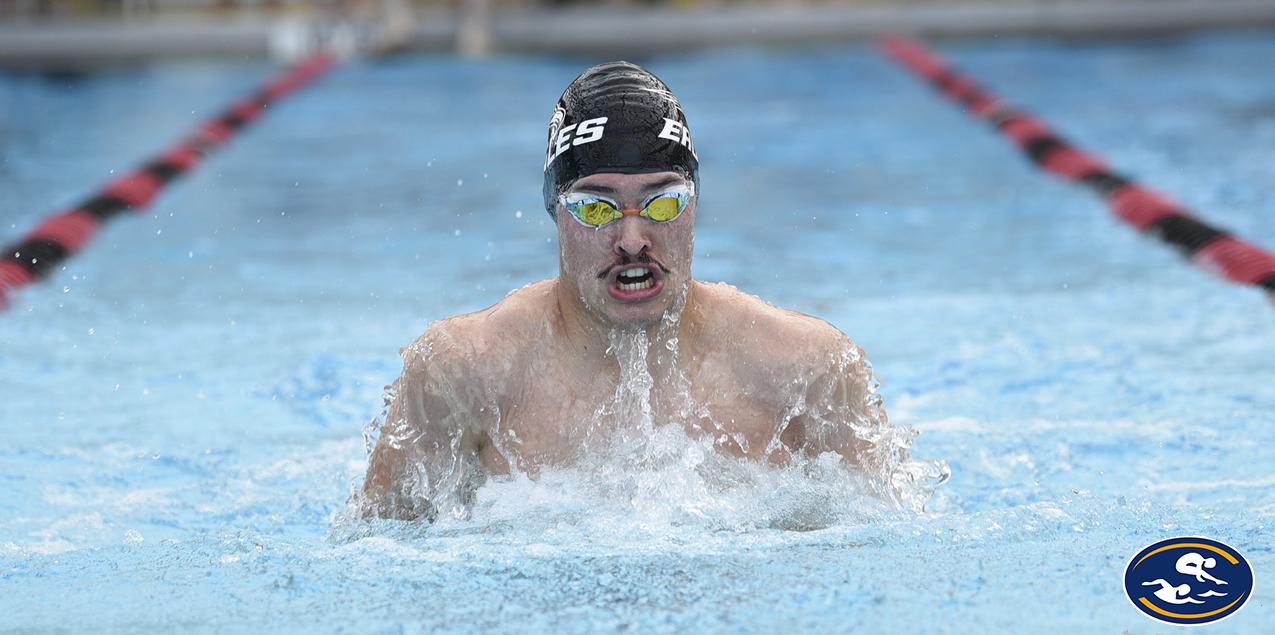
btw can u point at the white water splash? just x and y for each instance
(639, 467)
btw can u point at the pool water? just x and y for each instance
(182, 407)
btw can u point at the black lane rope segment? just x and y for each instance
(104, 207)
(62, 235)
(1211, 248)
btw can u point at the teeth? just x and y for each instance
(636, 272)
(636, 286)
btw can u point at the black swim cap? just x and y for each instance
(616, 117)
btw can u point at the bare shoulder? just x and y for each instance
(478, 344)
(442, 404)
(762, 335)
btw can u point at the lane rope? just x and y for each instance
(1150, 212)
(61, 235)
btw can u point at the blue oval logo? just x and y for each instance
(1188, 580)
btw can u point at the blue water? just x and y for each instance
(182, 406)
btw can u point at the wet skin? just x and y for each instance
(519, 386)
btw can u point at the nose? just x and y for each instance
(632, 239)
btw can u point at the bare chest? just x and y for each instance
(546, 421)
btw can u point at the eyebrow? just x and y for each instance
(610, 191)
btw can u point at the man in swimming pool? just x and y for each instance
(623, 335)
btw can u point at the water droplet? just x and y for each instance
(458, 232)
(460, 182)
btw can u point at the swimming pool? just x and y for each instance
(182, 405)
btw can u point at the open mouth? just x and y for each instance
(635, 279)
(635, 283)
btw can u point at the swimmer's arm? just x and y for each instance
(383, 494)
(836, 402)
(813, 436)
(419, 451)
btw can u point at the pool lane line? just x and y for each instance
(1150, 212)
(61, 235)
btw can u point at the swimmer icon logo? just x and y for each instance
(1188, 580)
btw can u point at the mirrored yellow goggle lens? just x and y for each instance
(596, 213)
(664, 208)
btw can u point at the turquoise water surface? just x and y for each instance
(182, 406)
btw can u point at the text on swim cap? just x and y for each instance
(577, 134)
(675, 131)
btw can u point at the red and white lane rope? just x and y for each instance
(63, 234)
(1150, 212)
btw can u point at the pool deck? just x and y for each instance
(589, 32)
(612, 30)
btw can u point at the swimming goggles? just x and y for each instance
(592, 211)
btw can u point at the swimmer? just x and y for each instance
(541, 378)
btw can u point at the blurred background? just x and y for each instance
(78, 33)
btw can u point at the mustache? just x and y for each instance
(641, 259)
